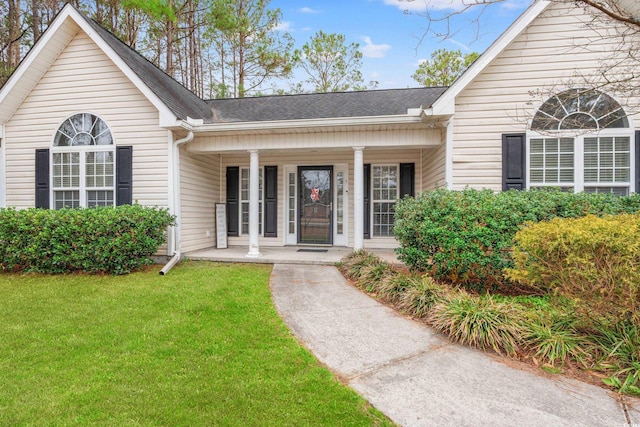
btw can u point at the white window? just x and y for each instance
(83, 163)
(244, 201)
(580, 140)
(384, 195)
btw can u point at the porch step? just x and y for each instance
(283, 255)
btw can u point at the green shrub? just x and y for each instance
(465, 237)
(97, 240)
(591, 260)
(480, 321)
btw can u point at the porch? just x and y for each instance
(285, 255)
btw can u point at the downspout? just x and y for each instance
(176, 203)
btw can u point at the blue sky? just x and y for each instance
(390, 38)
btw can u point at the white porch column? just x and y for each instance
(254, 204)
(358, 198)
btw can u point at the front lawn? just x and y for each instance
(200, 346)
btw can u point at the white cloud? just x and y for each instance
(308, 10)
(457, 43)
(371, 50)
(283, 26)
(515, 4)
(422, 5)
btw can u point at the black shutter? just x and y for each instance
(233, 202)
(407, 179)
(42, 178)
(367, 202)
(271, 201)
(124, 175)
(637, 161)
(513, 162)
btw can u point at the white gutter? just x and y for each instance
(413, 116)
(175, 230)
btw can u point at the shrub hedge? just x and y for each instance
(97, 240)
(590, 259)
(465, 237)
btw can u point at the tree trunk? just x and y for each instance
(35, 12)
(15, 34)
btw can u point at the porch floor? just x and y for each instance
(285, 255)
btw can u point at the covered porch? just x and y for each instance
(285, 255)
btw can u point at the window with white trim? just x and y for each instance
(83, 163)
(580, 140)
(384, 196)
(244, 201)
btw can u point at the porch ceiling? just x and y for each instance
(388, 135)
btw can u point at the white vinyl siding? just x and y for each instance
(499, 100)
(83, 79)
(199, 191)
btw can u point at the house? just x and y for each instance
(86, 121)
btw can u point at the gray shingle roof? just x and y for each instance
(176, 97)
(183, 103)
(324, 105)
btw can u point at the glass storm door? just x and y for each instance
(314, 210)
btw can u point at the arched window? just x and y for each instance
(83, 160)
(580, 141)
(580, 109)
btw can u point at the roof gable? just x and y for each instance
(445, 105)
(172, 100)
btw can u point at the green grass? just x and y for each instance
(200, 346)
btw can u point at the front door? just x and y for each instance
(315, 204)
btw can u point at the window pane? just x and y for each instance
(66, 170)
(551, 160)
(536, 145)
(580, 109)
(340, 202)
(245, 178)
(99, 169)
(99, 198)
(385, 193)
(607, 159)
(66, 199)
(618, 191)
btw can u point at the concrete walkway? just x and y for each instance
(418, 378)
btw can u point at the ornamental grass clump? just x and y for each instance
(392, 287)
(479, 321)
(554, 340)
(372, 275)
(421, 295)
(617, 348)
(355, 264)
